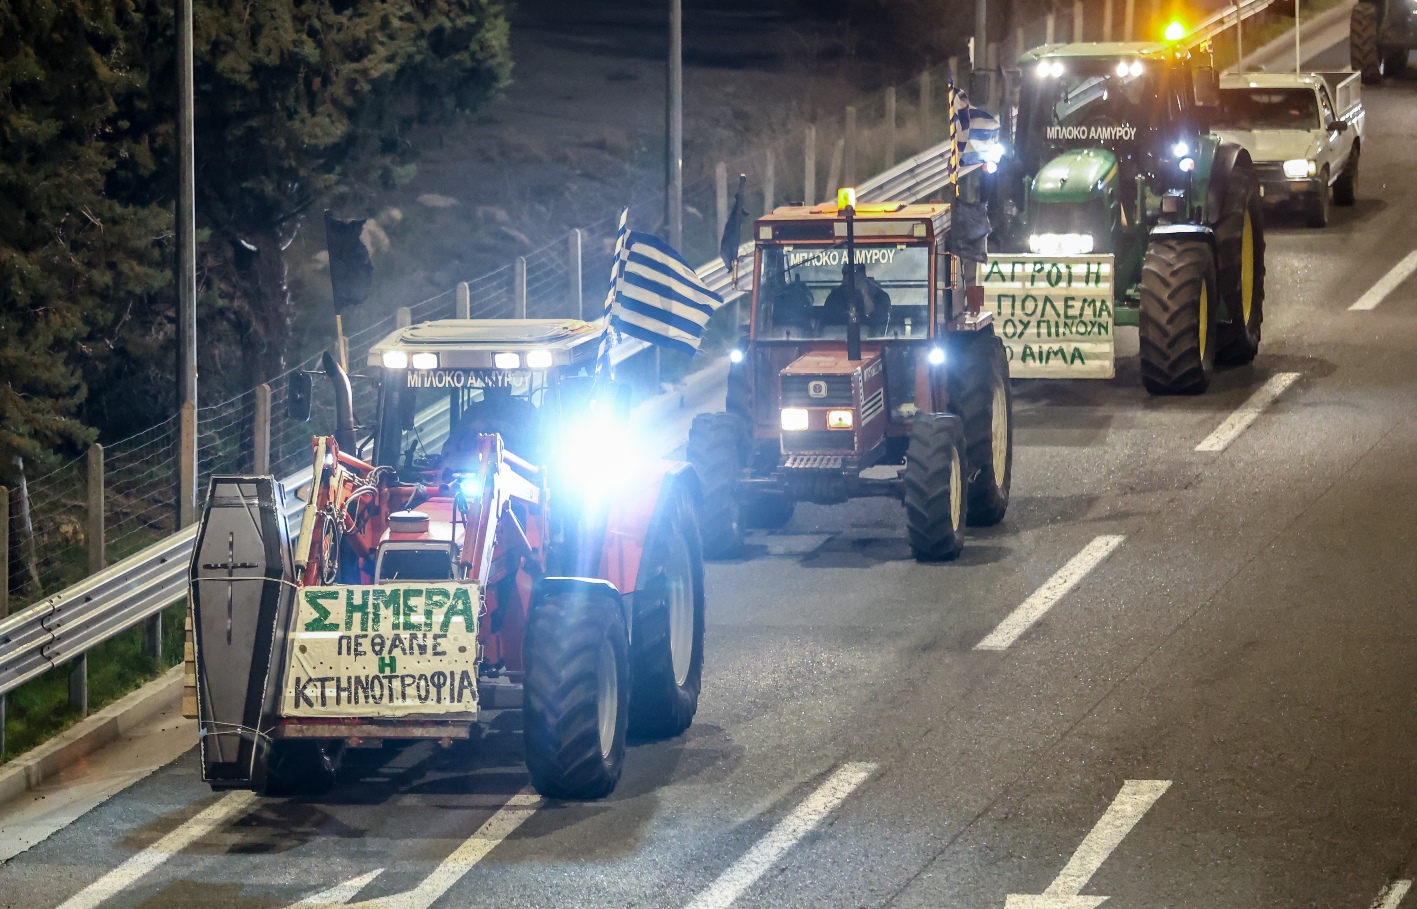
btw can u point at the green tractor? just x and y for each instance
(1115, 181)
(1381, 34)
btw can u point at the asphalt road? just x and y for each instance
(1244, 655)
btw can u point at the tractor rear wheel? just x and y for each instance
(1240, 272)
(935, 506)
(718, 449)
(576, 693)
(980, 395)
(299, 767)
(1345, 188)
(767, 510)
(667, 653)
(1177, 319)
(1363, 42)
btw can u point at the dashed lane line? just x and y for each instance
(130, 871)
(1053, 590)
(1387, 283)
(1392, 895)
(767, 851)
(1246, 413)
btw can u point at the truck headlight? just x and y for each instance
(1299, 168)
(1060, 244)
(840, 419)
(794, 419)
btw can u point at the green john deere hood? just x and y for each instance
(1075, 176)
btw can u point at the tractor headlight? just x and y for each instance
(936, 356)
(425, 361)
(840, 419)
(1060, 244)
(794, 419)
(395, 359)
(1299, 168)
(735, 356)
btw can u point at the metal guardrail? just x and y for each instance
(73, 621)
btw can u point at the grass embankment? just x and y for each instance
(39, 709)
(1260, 33)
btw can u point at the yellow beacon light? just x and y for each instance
(846, 197)
(1175, 31)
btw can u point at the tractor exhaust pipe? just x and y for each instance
(853, 313)
(344, 404)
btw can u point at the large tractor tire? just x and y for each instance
(981, 397)
(297, 767)
(935, 506)
(1345, 188)
(1363, 42)
(718, 448)
(1319, 205)
(1177, 319)
(1240, 270)
(577, 695)
(667, 654)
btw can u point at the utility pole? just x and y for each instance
(981, 40)
(674, 129)
(186, 264)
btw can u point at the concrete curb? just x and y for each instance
(1281, 49)
(34, 767)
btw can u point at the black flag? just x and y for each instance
(733, 228)
(351, 272)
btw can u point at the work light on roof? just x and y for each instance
(538, 359)
(395, 359)
(1050, 68)
(425, 361)
(507, 361)
(1175, 31)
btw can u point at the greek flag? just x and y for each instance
(976, 136)
(603, 365)
(655, 295)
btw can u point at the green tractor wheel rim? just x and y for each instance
(1247, 269)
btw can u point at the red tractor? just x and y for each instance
(491, 543)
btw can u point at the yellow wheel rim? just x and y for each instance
(1247, 269)
(1205, 317)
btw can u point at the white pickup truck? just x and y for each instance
(1304, 132)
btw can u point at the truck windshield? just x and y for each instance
(802, 295)
(431, 417)
(1267, 108)
(1087, 103)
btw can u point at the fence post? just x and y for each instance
(770, 183)
(720, 192)
(1077, 21)
(464, 302)
(79, 684)
(403, 318)
(97, 561)
(890, 127)
(573, 272)
(809, 170)
(2, 727)
(926, 127)
(1019, 40)
(1050, 27)
(4, 566)
(834, 172)
(1106, 20)
(519, 286)
(187, 464)
(261, 460)
(849, 168)
(1129, 21)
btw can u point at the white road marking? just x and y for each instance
(1135, 800)
(340, 894)
(1246, 413)
(1053, 590)
(126, 874)
(765, 852)
(1387, 283)
(1392, 895)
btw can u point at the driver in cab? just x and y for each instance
(873, 304)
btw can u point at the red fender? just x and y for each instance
(627, 524)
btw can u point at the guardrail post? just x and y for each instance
(849, 157)
(1129, 21)
(152, 638)
(1106, 20)
(834, 172)
(464, 303)
(720, 189)
(1050, 28)
(573, 272)
(403, 318)
(261, 432)
(890, 127)
(187, 466)
(4, 558)
(1077, 21)
(79, 684)
(926, 127)
(97, 560)
(809, 169)
(1019, 39)
(2, 727)
(770, 183)
(519, 286)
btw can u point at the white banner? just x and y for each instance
(1054, 313)
(389, 651)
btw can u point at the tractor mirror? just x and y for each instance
(1207, 87)
(1338, 126)
(298, 390)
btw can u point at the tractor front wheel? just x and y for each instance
(1363, 42)
(980, 395)
(718, 449)
(1177, 319)
(934, 482)
(576, 693)
(1240, 273)
(667, 656)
